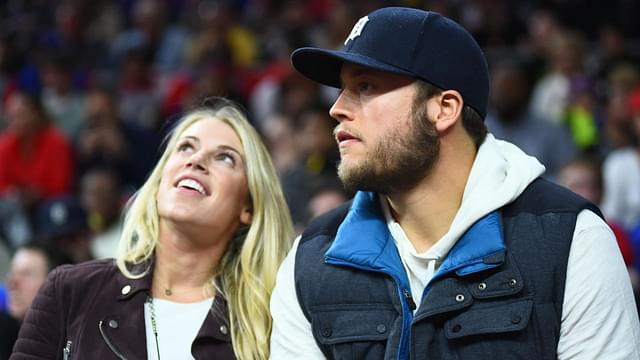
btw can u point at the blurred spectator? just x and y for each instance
(509, 118)
(68, 28)
(617, 128)
(617, 131)
(583, 176)
(138, 102)
(612, 50)
(152, 30)
(9, 328)
(551, 93)
(317, 156)
(220, 39)
(621, 172)
(105, 140)
(283, 91)
(102, 199)
(29, 268)
(317, 144)
(623, 77)
(59, 97)
(36, 164)
(542, 25)
(581, 113)
(29, 149)
(62, 224)
(281, 142)
(327, 192)
(5, 255)
(15, 223)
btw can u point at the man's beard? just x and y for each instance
(399, 161)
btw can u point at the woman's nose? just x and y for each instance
(196, 161)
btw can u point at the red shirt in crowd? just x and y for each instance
(47, 169)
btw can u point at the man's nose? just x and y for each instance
(341, 109)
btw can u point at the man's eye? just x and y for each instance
(364, 86)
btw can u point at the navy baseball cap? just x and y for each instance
(61, 217)
(406, 41)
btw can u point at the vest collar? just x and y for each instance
(363, 240)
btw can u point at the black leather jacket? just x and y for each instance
(92, 311)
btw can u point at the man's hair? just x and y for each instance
(471, 120)
(51, 253)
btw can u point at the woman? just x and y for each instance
(200, 248)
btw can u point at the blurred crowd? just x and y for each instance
(88, 89)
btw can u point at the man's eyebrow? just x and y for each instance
(359, 71)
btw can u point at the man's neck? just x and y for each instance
(426, 211)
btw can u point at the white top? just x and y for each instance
(104, 245)
(621, 177)
(177, 325)
(550, 97)
(599, 317)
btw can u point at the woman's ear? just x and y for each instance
(448, 109)
(246, 215)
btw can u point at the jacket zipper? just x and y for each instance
(109, 344)
(66, 352)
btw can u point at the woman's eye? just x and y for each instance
(228, 158)
(185, 146)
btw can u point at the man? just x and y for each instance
(510, 118)
(62, 224)
(30, 266)
(453, 247)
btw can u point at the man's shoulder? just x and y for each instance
(543, 196)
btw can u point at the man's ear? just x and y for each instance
(448, 108)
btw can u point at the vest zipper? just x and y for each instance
(407, 295)
(407, 317)
(66, 352)
(109, 344)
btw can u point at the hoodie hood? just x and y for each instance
(500, 173)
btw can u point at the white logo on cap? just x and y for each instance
(357, 29)
(58, 213)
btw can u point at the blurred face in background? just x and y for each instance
(28, 271)
(509, 92)
(582, 179)
(101, 198)
(101, 109)
(22, 115)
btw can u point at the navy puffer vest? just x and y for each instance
(509, 310)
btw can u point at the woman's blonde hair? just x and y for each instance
(247, 271)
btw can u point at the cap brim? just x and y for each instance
(323, 66)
